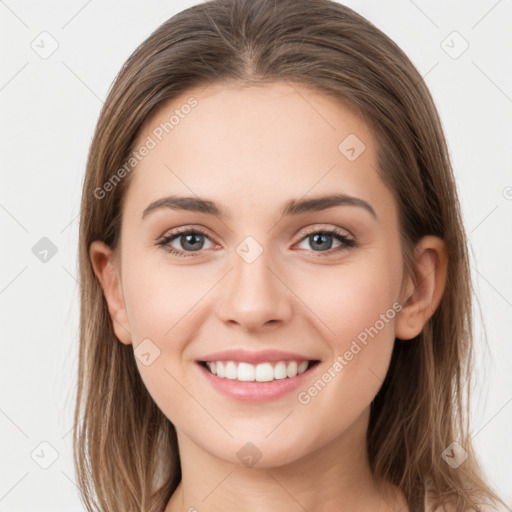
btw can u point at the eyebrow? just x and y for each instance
(291, 207)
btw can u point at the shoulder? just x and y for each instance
(451, 506)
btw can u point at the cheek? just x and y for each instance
(164, 304)
(159, 297)
(160, 300)
(355, 307)
(347, 300)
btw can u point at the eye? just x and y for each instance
(322, 239)
(191, 240)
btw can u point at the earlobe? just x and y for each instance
(107, 273)
(424, 289)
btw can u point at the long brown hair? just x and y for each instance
(125, 449)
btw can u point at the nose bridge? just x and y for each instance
(256, 295)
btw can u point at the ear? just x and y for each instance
(424, 289)
(106, 268)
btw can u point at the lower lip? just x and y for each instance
(256, 391)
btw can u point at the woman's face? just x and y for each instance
(258, 280)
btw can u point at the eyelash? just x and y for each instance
(347, 242)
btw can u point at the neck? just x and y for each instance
(336, 476)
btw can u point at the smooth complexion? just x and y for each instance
(250, 150)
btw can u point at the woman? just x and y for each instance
(229, 362)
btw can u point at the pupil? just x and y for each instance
(323, 237)
(192, 245)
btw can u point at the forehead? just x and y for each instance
(250, 147)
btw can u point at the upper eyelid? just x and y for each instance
(185, 230)
(314, 229)
(205, 231)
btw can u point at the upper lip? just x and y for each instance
(254, 357)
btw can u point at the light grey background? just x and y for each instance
(49, 107)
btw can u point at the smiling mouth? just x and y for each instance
(262, 372)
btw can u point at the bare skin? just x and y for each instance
(250, 150)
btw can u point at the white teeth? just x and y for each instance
(231, 372)
(263, 372)
(302, 367)
(280, 370)
(220, 369)
(245, 372)
(292, 369)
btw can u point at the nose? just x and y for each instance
(255, 295)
